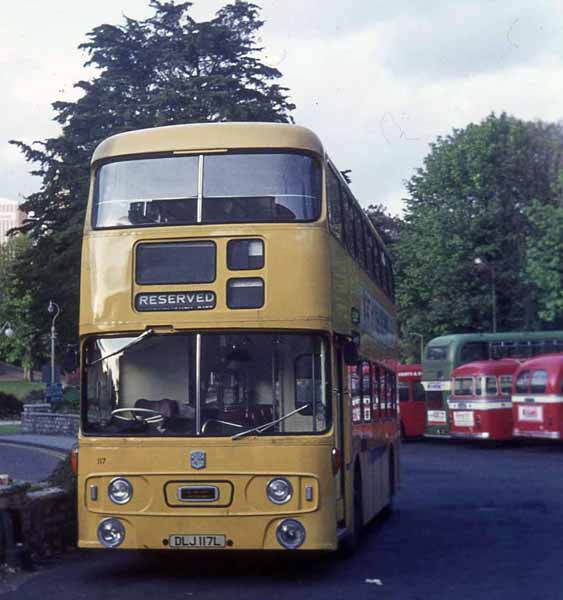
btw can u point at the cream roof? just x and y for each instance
(209, 136)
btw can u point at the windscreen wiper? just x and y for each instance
(262, 428)
(131, 343)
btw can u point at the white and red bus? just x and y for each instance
(537, 398)
(412, 406)
(480, 403)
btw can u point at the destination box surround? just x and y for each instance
(167, 301)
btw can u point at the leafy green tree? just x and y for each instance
(544, 260)
(470, 201)
(25, 346)
(164, 70)
(387, 225)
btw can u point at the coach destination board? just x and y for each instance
(167, 301)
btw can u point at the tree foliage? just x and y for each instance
(544, 260)
(387, 225)
(472, 198)
(164, 70)
(15, 307)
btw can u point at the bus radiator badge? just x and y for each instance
(198, 459)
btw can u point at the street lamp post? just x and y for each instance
(421, 343)
(53, 308)
(7, 330)
(480, 262)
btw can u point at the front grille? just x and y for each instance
(198, 493)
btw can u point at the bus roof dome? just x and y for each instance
(208, 137)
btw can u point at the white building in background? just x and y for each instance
(10, 216)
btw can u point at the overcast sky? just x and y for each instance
(376, 80)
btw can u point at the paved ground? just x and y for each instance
(61, 443)
(471, 522)
(27, 463)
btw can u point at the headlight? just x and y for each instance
(279, 491)
(290, 534)
(120, 490)
(111, 533)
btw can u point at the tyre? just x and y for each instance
(349, 544)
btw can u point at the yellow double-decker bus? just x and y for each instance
(237, 331)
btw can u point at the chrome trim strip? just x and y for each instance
(479, 405)
(550, 435)
(537, 399)
(197, 384)
(478, 436)
(200, 189)
(214, 489)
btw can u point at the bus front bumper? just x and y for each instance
(193, 533)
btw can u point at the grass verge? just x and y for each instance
(7, 429)
(20, 389)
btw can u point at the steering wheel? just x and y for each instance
(144, 415)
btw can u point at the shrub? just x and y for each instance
(70, 402)
(34, 397)
(10, 406)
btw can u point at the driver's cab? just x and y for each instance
(206, 384)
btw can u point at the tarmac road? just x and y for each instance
(26, 462)
(471, 522)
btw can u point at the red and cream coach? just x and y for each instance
(538, 398)
(480, 405)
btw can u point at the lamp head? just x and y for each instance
(9, 332)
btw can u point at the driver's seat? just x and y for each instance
(166, 407)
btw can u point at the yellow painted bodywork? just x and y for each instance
(295, 288)
(249, 520)
(311, 284)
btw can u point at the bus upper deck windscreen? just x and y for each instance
(211, 188)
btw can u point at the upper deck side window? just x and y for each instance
(463, 386)
(538, 382)
(220, 188)
(472, 351)
(522, 384)
(335, 209)
(437, 353)
(349, 224)
(505, 385)
(491, 385)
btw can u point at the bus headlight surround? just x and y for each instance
(290, 534)
(279, 490)
(120, 490)
(111, 533)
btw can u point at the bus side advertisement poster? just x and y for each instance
(376, 321)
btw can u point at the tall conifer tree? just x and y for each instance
(164, 70)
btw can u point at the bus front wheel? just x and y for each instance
(350, 543)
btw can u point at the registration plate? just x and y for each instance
(464, 418)
(179, 540)
(530, 413)
(437, 416)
